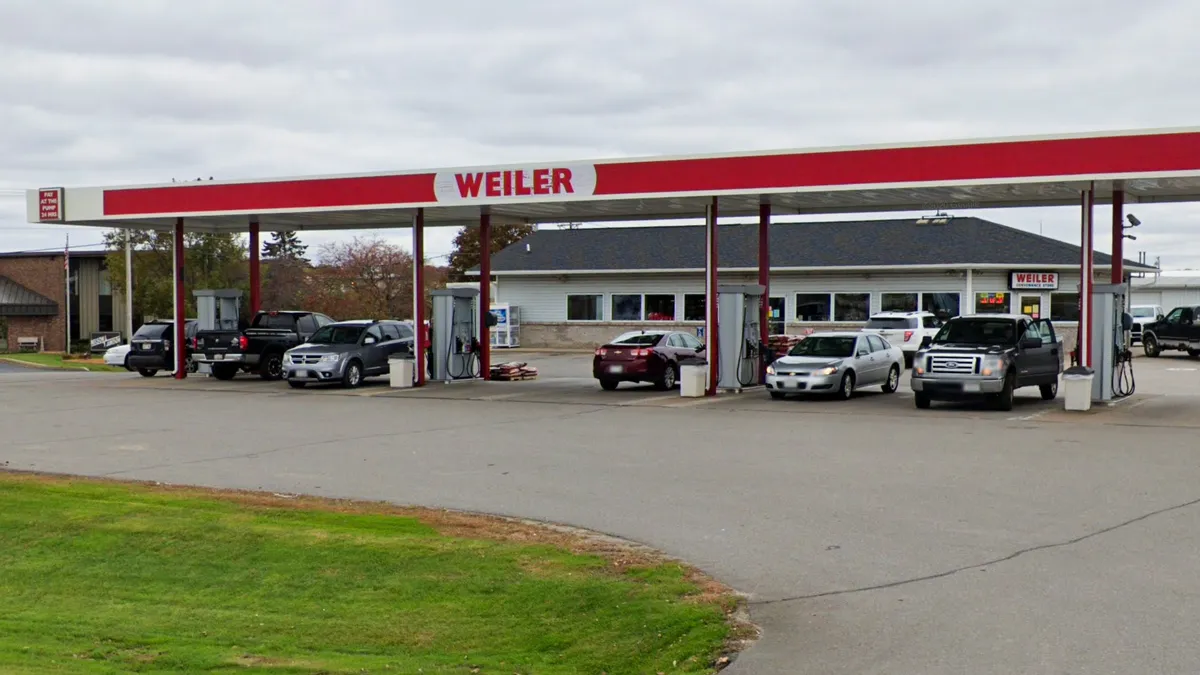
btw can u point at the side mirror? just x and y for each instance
(701, 348)
(1160, 317)
(863, 352)
(926, 341)
(1031, 343)
(369, 340)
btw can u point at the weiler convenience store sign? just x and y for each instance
(1033, 281)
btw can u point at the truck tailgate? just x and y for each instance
(259, 338)
(211, 342)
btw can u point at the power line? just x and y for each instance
(58, 248)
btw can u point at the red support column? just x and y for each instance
(180, 304)
(1086, 278)
(419, 342)
(1118, 236)
(764, 276)
(710, 298)
(255, 279)
(485, 294)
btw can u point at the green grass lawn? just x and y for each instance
(57, 361)
(103, 577)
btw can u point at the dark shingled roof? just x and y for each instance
(16, 300)
(960, 241)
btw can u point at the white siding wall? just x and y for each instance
(543, 299)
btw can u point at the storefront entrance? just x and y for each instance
(1031, 305)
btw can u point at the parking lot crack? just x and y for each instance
(980, 565)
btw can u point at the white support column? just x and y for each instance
(968, 304)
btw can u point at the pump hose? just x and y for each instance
(1123, 381)
(742, 365)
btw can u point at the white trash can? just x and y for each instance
(693, 380)
(1077, 388)
(402, 372)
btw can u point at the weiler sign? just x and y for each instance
(50, 205)
(507, 184)
(1033, 281)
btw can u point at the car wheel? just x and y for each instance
(271, 367)
(353, 375)
(846, 389)
(1004, 400)
(190, 365)
(147, 372)
(296, 385)
(1194, 353)
(893, 380)
(923, 400)
(778, 395)
(667, 381)
(608, 385)
(1150, 346)
(224, 372)
(1049, 391)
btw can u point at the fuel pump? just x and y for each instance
(1112, 357)
(454, 329)
(739, 346)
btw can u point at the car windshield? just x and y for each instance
(1142, 312)
(639, 339)
(891, 322)
(334, 334)
(978, 332)
(834, 347)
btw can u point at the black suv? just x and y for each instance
(153, 347)
(988, 356)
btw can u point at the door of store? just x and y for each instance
(1031, 305)
(775, 316)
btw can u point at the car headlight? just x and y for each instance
(991, 365)
(770, 370)
(331, 357)
(830, 370)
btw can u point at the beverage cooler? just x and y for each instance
(507, 331)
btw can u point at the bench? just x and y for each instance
(29, 344)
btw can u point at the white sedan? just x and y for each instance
(117, 356)
(836, 363)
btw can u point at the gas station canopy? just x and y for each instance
(1150, 166)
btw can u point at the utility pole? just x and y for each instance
(67, 272)
(129, 286)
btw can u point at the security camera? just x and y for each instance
(1130, 236)
(1133, 220)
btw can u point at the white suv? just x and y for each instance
(904, 330)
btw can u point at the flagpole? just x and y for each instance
(67, 272)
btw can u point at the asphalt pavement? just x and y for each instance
(865, 542)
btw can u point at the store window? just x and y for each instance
(812, 307)
(1064, 307)
(693, 307)
(660, 307)
(851, 306)
(898, 302)
(942, 305)
(584, 307)
(626, 307)
(991, 303)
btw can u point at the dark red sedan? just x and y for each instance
(644, 356)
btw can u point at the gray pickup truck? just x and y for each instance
(988, 356)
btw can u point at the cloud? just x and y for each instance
(117, 91)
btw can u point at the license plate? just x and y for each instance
(971, 386)
(146, 346)
(616, 369)
(218, 357)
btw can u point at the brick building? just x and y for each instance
(33, 298)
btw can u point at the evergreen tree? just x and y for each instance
(284, 246)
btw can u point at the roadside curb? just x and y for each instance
(39, 366)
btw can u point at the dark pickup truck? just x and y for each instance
(258, 348)
(988, 356)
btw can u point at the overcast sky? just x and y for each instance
(134, 91)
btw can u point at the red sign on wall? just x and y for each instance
(1033, 281)
(50, 205)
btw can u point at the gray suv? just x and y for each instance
(347, 352)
